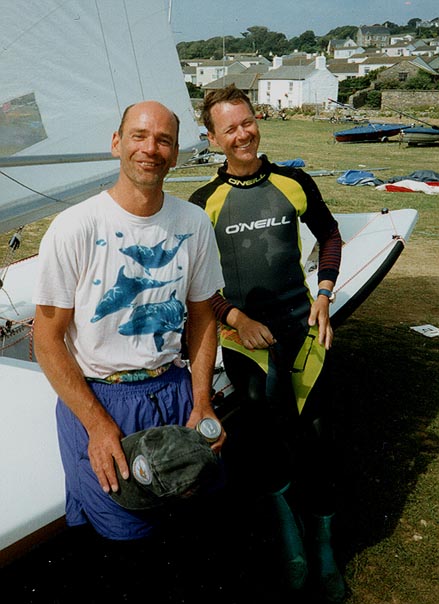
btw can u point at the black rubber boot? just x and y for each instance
(330, 584)
(288, 537)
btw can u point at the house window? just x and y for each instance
(268, 85)
(402, 76)
(290, 86)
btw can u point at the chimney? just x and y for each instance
(321, 62)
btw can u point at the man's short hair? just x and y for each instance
(124, 117)
(229, 94)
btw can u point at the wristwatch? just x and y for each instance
(328, 293)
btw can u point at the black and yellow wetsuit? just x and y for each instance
(282, 439)
(257, 230)
(256, 226)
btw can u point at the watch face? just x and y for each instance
(209, 428)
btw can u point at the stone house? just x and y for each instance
(373, 35)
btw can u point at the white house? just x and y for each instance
(399, 49)
(298, 85)
(203, 71)
(375, 62)
(347, 51)
(343, 69)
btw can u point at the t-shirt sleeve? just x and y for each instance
(207, 277)
(57, 270)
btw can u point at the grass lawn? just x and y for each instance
(386, 377)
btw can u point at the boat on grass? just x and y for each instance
(420, 135)
(373, 132)
(63, 90)
(425, 134)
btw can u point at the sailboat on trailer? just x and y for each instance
(68, 70)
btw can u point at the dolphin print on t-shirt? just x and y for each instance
(156, 318)
(153, 257)
(123, 292)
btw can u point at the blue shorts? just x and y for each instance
(134, 406)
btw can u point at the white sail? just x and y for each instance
(67, 72)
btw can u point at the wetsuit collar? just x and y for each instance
(246, 182)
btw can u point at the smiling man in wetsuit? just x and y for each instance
(275, 338)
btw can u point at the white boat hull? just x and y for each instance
(420, 136)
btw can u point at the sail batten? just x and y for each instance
(67, 72)
(39, 160)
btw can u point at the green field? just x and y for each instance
(386, 377)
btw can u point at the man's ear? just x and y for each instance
(174, 161)
(115, 144)
(211, 138)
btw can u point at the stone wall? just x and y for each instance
(409, 99)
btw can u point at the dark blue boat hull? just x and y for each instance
(372, 132)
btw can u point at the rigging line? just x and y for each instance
(134, 50)
(13, 245)
(395, 237)
(13, 343)
(32, 190)
(10, 301)
(363, 228)
(107, 54)
(375, 217)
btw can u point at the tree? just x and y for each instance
(340, 33)
(266, 42)
(353, 85)
(421, 81)
(307, 42)
(195, 92)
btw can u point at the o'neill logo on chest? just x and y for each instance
(263, 223)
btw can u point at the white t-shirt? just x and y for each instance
(128, 279)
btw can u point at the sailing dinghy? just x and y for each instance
(373, 132)
(420, 135)
(68, 70)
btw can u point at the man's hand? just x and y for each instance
(105, 449)
(253, 335)
(319, 315)
(199, 414)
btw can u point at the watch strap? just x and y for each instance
(326, 292)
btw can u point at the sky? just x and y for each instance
(203, 19)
